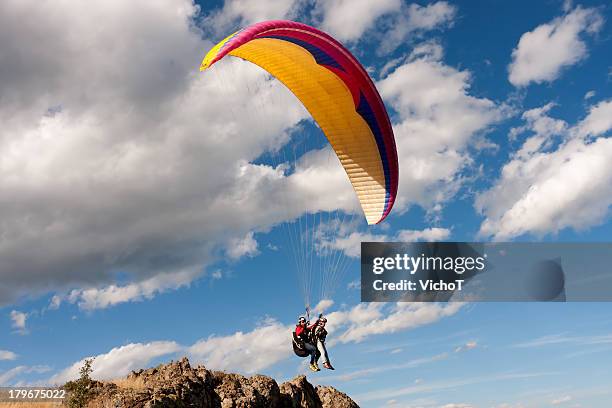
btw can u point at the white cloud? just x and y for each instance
(108, 169)
(269, 342)
(428, 234)
(119, 361)
(237, 14)
(101, 298)
(245, 352)
(349, 242)
(414, 19)
(365, 320)
(349, 19)
(544, 127)
(438, 123)
(97, 186)
(55, 302)
(323, 305)
(19, 321)
(427, 50)
(532, 194)
(598, 121)
(7, 355)
(562, 400)
(589, 94)
(7, 377)
(240, 247)
(541, 54)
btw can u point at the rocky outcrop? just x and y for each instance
(177, 384)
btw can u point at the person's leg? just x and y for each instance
(312, 350)
(323, 350)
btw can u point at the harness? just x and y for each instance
(299, 344)
(299, 347)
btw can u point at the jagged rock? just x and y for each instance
(237, 391)
(299, 393)
(332, 398)
(177, 384)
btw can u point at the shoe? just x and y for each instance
(328, 366)
(314, 367)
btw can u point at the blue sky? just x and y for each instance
(142, 202)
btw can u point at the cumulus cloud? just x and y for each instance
(107, 169)
(428, 234)
(438, 121)
(415, 19)
(240, 247)
(532, 194)
(427, 50)
(103, 297)
(55, 302)
(323, 305)
(598, 121)
(7, 355)
(349, 242)
(362, 15)
(544, 127)
(365, 320)
(543, 53)
(396, 21)
(119, 361)
(19, 321)
(239, 13)
(247, 352)
(268, 343)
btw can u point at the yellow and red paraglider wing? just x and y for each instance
(339, 95)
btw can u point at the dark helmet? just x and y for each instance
(301, 320)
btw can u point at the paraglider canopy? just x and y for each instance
(338, 93)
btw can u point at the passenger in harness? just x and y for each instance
(319, 335)
(302, 343)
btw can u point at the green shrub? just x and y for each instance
(80, 391)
